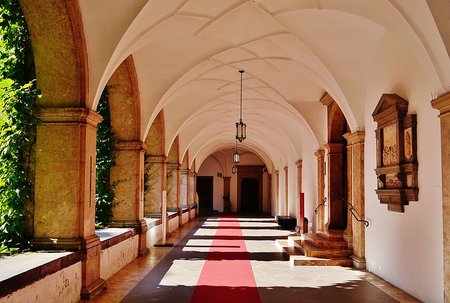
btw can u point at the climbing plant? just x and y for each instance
(17, 102)
(105, 160)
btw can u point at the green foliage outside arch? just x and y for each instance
(17, 125)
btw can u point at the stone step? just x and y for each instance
(314, 261)
(287, 249)
(310, 250)
(319, 241)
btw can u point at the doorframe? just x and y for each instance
(250, 171)
(212, 191)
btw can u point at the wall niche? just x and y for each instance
(397, 165)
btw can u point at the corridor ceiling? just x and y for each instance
(187, 54)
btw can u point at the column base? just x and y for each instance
(348, 237)
(91, 290)
(359, 263)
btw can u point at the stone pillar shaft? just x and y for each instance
(320, 154)
(127, 176)
(356, 146)
(277, 193)
(286, 191)
(65, 188)
(443, 105)
(172, 186)
(155, 183)
(299, 191)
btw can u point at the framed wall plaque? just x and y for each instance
(396, 152)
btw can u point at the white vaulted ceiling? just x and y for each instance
(187, 55)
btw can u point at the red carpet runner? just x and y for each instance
(227, 274)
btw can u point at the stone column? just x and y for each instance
(356, 146)
(155, 182)
(172, 187)
(443, 105)
(128, 178)
(64, 215)
(269, 199)
(286, 192)
(182, 191)
(277, 193)
(336, 207)
(320, 155)
(348, 233)
(299, 175)
(192, 192)
(299, 190)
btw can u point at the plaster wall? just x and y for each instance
(185, 218)
(174, 223)
(293, 198)
(210, 167)
(154, 235)
(309, 183)
(406, 248)
(117, 256)
(62, 286)
(216, 164)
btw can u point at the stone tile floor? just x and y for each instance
(171, 274)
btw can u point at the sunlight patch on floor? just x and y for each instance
(281, 274)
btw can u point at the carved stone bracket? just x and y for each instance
(397, 165)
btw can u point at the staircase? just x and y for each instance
(318, 249)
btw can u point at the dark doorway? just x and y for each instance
(249, 195)
(205, 193)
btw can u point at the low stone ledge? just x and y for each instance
(22, 270)
(112, 236)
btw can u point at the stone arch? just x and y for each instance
(60, 54)
(128, 171)
(124, 102)
(337, 123)
(336, 165)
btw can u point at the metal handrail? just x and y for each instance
(316, 211)
(366, 223)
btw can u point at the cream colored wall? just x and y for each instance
(154, 235)
(210, 167)
(62, 286)
(117, 256)
(406, 248)
(214, 164)
(309, 182)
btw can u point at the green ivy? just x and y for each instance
(17, 120)
(105, 146)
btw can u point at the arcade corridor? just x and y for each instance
(236, 259)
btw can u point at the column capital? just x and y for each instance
(326, 99)
(442, 104)
(299, 163)
(173, 165)
(157, 159)
(68, 115)
(335, 148)
(131, 145)
(320, 153)
(355, 137)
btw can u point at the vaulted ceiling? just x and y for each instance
(187, 55)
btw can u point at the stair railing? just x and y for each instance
(316, 211)
(366, 223)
